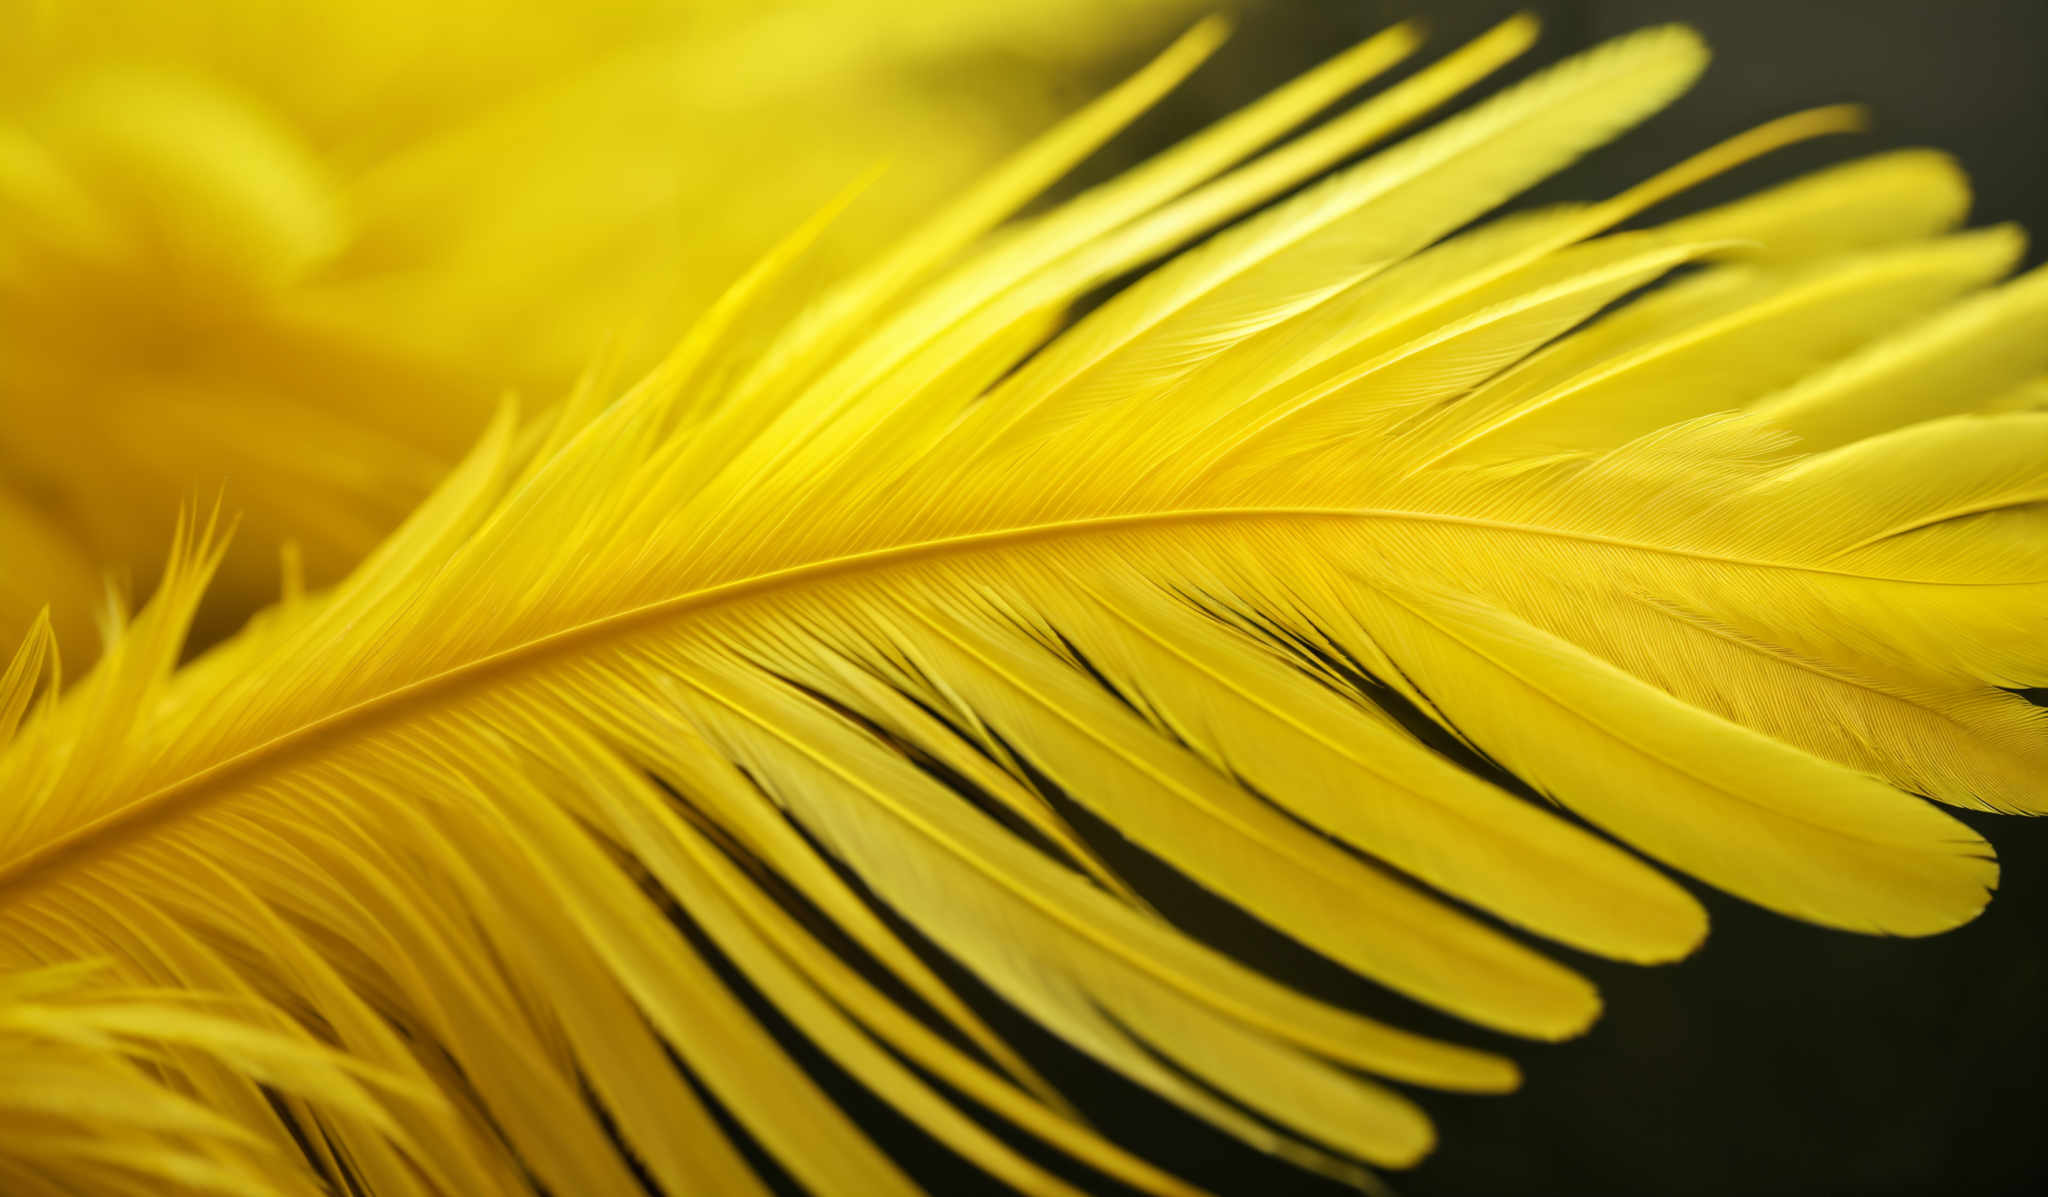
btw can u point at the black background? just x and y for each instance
(1783, 1058)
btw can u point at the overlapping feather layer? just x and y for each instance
(293, 254)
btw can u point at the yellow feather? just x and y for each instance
(1958, 359)
(84, 1107)
(1905, 195)
(739, 728)
(295, 254)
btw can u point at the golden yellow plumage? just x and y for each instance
(87, 1111)
(828, 628)
(295, 253)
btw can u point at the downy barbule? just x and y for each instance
(1393, 577)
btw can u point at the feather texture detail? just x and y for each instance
(1392, 578)
(305, 285)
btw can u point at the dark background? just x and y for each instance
(1783, 1058)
